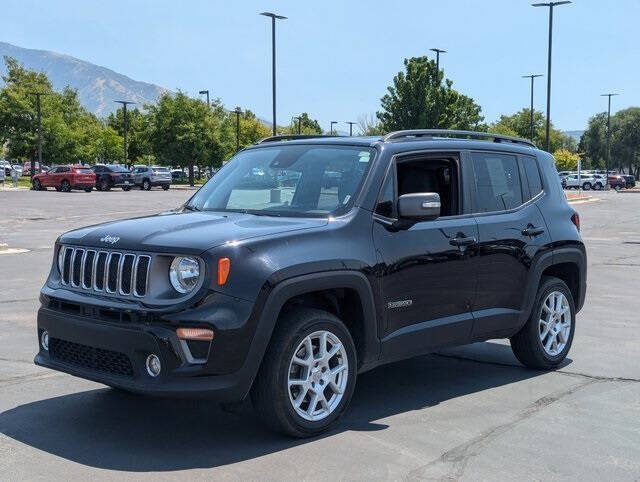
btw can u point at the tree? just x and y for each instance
(138, 133)
(419, 99)
(519, 125)
(370, 125)
(566, 160)
(593, 141)
(308, 126)
(252, 130)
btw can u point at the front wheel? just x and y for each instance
(586, 186)
(88, 189)
(126, 188)
(104, 185)
(308, 373)
(165, 187)
(37, 185)
(544, 341)
(146, 185)
(617, 187)
(65, 186)
(597, 186)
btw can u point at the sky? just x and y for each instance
(336, 58)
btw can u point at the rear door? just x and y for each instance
(512, 233)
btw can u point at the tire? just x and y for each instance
(271, 395)
(65, 186)
(617, 187)
(88, 189)
(165, 187)
(527, 345)
(37, 185)
(597, 186)
(104, 185)
(586, 186)
(146, 185)
(126, 188)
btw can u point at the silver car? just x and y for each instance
(148, 176)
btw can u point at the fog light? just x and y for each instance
(44, 340)
(153, 365)
(201, 334)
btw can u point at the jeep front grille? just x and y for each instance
(110, 272)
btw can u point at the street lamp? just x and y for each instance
(238, 111)
(438, 52)
(124, 120)
(299, 119)
(33, 164)
(206, 92)
(331, 128)
(350, 127)
(532, 76)
(273, 60)
(550, 5)
(608, 135)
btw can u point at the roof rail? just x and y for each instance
(431, 133)
(291, 137)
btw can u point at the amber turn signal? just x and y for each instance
(224, 265)
(195, 334)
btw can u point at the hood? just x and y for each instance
(184, 232)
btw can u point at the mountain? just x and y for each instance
(98, 87)
(575, 134)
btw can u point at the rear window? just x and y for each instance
(497, 182)
(160, 170)
(82, 170)
(117, 168)
(533, 175)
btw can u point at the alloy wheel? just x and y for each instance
(555, 323)
(318, 374)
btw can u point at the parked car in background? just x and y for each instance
(177, 175)
(6, 167)
(17, 168)
(113, 175)
(617, 182)
(65, 178)
(630, 181)
(148, 176)
(586, 182)
(26, 168)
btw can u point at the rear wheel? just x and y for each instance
(597, 186)
(586, 186)
(544, 341)
(617, 187)
(126, 188)
(104, 185)
(65, 186)
(165, 187)
(146, 185)
(88, 189)
(307, 375)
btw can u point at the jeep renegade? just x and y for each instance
(307, 260)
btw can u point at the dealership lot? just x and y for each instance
(469, 413)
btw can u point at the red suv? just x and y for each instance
(65, 178)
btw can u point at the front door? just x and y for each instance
(426, 272)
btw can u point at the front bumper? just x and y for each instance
(115, 354)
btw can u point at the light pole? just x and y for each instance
(550, 5)
(299, 119)
(438, 52)
(608, 135)
(39, 116)
(238, 111)
(532, 76)
(350, 127)
(206, 92)
(273, 60)
(124, 121)
(331, 128)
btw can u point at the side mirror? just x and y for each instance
(419, 206)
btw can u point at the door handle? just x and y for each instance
(462, 241)
(532, 231)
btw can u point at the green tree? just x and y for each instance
(420, 99)
(593, 141)
(138, 133)
(252, 130)
(566, 160)
(370, 125)
(308, 126)
(625, 145)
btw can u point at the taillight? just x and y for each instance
(575, 219)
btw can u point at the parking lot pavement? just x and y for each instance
(468, 413)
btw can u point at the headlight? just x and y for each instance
(184, 274)
(60, 258)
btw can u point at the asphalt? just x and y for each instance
(472, 413)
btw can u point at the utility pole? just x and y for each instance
(608, 137)
(124, 121)
(39, 117)
(350, 127)
(206, 92)
(550, 5)
(438, 52)
(238, 111)
(273, 60)
(331, 128)
(532, 76)
(299, 120)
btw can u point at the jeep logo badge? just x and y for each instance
(109, 239)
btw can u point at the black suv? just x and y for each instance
(114, 175)
(285, 289)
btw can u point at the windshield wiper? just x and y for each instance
(189, 207)
(261, 213)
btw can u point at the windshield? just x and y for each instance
(293, 180)
(118, 168)
(82, 170)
